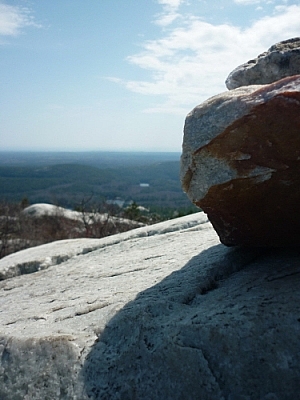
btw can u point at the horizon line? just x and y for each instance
(85, 151)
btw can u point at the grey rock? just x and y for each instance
(280, 61)
(161, 314)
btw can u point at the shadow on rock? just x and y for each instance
(225, 326)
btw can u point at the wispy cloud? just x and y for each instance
(191, 60)
(13, 19)
(246, 2)
(169, 13)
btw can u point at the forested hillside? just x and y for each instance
(150, 184)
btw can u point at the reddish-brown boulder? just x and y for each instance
(241, 163)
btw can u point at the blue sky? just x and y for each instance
(123, 74)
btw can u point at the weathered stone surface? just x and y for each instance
(241, 163)
(153, 314)
(30, 260)
(280, 61)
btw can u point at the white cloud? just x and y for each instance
(170, 3)
(192, 60)
(169, 13)
(13, 19)
(249, 2)
(246, 2)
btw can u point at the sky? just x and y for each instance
(123, 74)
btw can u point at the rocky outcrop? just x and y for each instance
(163, 312)
(281, 60)
(86, 218)
(241, 163)
(30, 260)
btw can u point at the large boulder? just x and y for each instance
(162, 312)
(241, 163)
(281, 60)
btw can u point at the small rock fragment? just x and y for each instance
(280, 61)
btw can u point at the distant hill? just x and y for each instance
(67, 184)
(100, 159)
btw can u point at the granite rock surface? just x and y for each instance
(161, 312)
(241, 163)
(281, 60)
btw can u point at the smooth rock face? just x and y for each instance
(163, 312)
(280, 61)
(241, 163)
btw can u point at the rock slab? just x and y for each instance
(163, 312)
(241, 163)
(281, 60)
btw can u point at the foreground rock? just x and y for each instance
(241, 163)
(281, 60)
(163, 312)
(42, 257)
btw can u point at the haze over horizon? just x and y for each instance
(112, 75)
